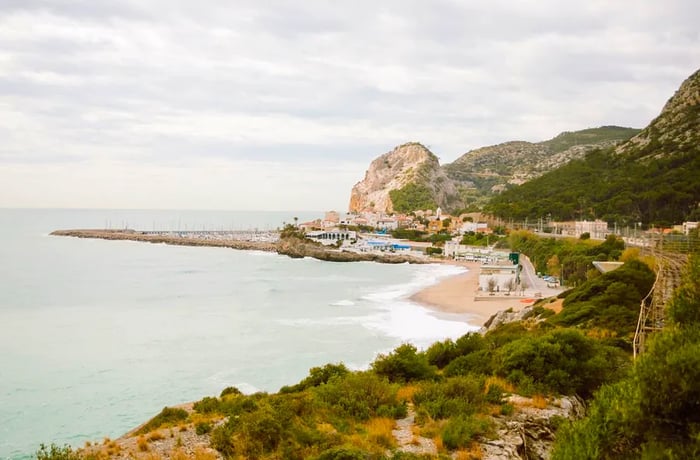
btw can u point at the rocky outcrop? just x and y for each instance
(529, 433)
(410, 163)
(675, 130)
(297, 248)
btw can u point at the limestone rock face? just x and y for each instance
(676, 128)
(407, 163)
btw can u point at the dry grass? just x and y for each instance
(204, 454)
(406, 393)
(539, 402)
(379, 431)
(503, 383)
(155, 436)
(438, 444)
(142, 444)
(474, 452)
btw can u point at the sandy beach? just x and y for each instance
(456, 294)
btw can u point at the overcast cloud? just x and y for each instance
(281, 105)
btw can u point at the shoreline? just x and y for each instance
(457, 294)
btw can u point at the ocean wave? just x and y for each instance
(343, 303)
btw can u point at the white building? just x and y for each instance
(598, 229)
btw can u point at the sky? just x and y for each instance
(281, 105)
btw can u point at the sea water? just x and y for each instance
(98, 336)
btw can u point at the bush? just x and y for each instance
(462, 430)
(358, 396)
(208, 405)
(54, 452)
(230, 391)
(343, 453)
(562, 361)
(202, 428)
(404, 364)
(474, 363)
(168, 416)
(454, 396)
(318, 376)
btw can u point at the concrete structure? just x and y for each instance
(598, 229)
(332, 236)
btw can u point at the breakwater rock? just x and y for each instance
(291, 247)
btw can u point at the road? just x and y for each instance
(535, 284)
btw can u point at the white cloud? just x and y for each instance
(175, 92)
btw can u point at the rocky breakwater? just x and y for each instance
(298, 248)
(132, 235)
(292, 247)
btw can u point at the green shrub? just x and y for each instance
(208, 405)
(404, 364)
(343, 453)
(441, 353)
(230, 391)
(454, 396)
(168, 416)
(317, 376)
(202, 428)
(562, 361)
(474, 363)
(54, 452)
(357, 395)
(460, 431)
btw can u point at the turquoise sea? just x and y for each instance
(98, 336)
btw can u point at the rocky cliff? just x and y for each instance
(411, 165)
(677, 128)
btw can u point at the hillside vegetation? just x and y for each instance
(461, 392)
(652, 178)
(654, 412)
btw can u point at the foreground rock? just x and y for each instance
(528, 434)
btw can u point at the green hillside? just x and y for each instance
(603, 134)
(652, 178)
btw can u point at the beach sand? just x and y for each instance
(456, 294)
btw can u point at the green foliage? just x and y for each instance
(451, 397)
(202, 428)
(54, 452)
(655, 412)
(208, 405)
(412, 197)
(318, 376)
(562, 361)
(404, 364)
(460, 431)
(433, 251)
(359, 396)
(574, 257)
(409, 234)
(568, 139)
(652, 183)
(230, 391)
(168, 416)
(343, 453)
(610, 301)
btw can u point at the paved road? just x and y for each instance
(535, 284)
